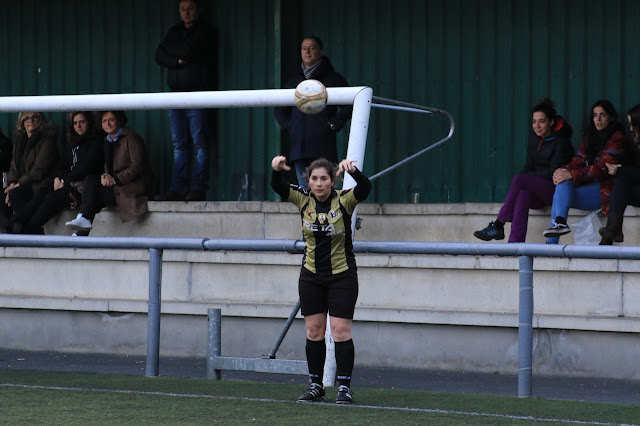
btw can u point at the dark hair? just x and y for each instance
(596, 140)
(196, 2)
(634, 114)
(608, 107)
(119, 115)
(322, 163)
(72, 136)
(547, 107)
(314, 38)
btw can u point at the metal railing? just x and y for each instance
(524, 251)
(408, 107)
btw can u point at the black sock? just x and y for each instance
(316, 353)
(345, 356)
(498, 223)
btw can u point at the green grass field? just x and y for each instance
(28, 397)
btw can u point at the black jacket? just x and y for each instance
(632, 170)
(86, 157)
(6, 152)
(311, 134)
(544, 156)
(195, 45)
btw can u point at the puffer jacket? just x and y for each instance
(546, 155)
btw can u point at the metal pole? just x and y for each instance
(292, 316)
(153, 320)
(168, 100)
(358, 132)
(525, 327)
(214, 341)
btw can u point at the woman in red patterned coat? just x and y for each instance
(584, 183)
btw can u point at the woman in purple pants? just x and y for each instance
(549, 147)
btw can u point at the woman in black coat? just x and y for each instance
(626, 189)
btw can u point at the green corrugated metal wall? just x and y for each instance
(485, 62)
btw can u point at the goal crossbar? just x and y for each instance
(170, 100)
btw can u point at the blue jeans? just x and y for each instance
(301, 169)
(583, 197)
(189, 126)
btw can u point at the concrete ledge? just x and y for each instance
(456, 290)
(65, 299)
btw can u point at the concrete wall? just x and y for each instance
(449, 312)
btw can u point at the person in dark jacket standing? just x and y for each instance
(313, 136)
(549, 147)
(187, 53)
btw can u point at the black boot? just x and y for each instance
(612, 233)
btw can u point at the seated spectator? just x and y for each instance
(548, 148)
(84, 157)
(626, 190)
(584, 182)
(125, 179)
(6, 153)
(35, 155)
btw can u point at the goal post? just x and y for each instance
(360, 97)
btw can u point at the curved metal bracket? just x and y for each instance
(405, 106)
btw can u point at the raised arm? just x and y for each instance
(363, 184)
(279, 185)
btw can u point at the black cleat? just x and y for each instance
(345, 396)
(313, 394)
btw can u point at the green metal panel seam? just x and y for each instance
(274, 142)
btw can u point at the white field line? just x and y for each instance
(354, 406)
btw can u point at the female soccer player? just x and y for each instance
(328, 278)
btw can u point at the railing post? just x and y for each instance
(525, 327)
(153, 320)
(283, 333)
(214, 341)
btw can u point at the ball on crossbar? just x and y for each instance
(311, 96)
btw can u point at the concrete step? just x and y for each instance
(387, 222)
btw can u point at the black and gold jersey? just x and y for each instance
(326, 227)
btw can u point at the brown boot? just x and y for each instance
(612, 233)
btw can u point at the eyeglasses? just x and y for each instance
(31, 117)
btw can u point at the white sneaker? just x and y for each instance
(80, 223)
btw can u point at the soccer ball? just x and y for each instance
(311, 96)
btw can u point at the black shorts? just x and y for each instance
(336, 294)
